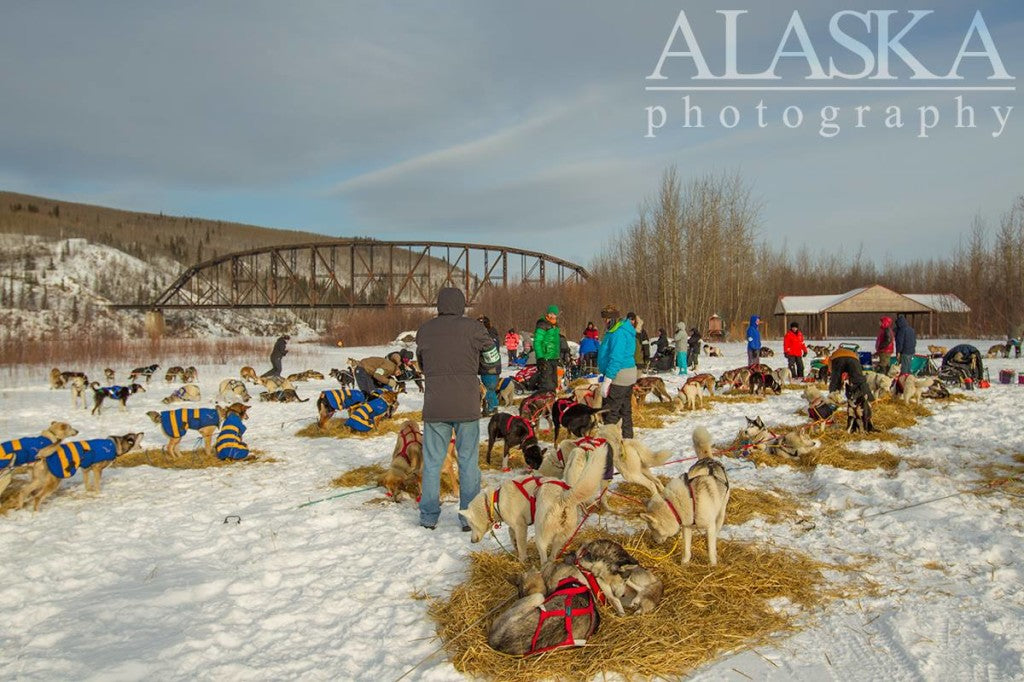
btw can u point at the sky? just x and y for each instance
(523, 124)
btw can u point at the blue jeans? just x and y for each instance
(436, 436)
(490, 382)
(905, 360)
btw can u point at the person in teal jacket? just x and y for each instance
(615, 360)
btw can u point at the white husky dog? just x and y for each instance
(697, 500)
(633, 459)
(878, 383)
(548, 504)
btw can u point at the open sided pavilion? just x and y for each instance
(874, 299)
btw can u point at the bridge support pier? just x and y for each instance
(155, 326)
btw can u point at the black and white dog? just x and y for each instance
(514, 430)
(143, 372)
(122, 393)
(576, 418)
(858, 407)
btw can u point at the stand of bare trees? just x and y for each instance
(694, 250)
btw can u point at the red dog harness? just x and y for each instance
(403, 452)
(567, 589)
(521, 485)
(671, 506)
(595, 589)
(563, 405)
(529, 427)
(589, 444)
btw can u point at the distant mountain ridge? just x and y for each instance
(146, 236)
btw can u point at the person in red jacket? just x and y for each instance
(885, 344)
(795, 349)
(512, 345)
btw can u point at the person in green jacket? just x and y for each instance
(547, 348)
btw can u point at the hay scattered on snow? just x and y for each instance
(360, 476)
(773, 505)
(735, 398)
(1003, 477)
(194, 459)
(371, 474)
(335, 427)
(705, 613)
(653, 415)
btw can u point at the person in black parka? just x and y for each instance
(450, 350)
(280, 350)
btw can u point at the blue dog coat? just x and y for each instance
(176, 422)
(14, 453)
(80, 454)
(363, 416)
(229, 441)
(342, 398)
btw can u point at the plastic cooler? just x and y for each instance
(1006, 376)
(865, 357)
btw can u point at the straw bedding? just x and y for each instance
(335, 428)
(1004, 478)
(196, 459)
(705, 613)
(630, 500)
(360, 477)
(887, 415)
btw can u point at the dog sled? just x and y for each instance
(526, 379)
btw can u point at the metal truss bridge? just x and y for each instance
(357, 273)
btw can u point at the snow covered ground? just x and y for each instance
(146, 580)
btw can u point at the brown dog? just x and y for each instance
(589, 395)
(644, 386)
(407, 461)
(249, 374)
(62, 460)
(205, 420)
(536, 405)
(705, 380)
(24, 451)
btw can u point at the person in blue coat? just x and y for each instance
(906, 343)
(753, 341)
(616, 361)
(589, 346)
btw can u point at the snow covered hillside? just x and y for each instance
(47, 285)
(152, 578)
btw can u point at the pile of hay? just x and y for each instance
(653, 415)
(1004, 478)
(630, 500)
(335, 428)
(895, 414)
(360, 477)
(833, 452)
(195, 459)
(515, 460)
(705, 613)
(730, 398)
